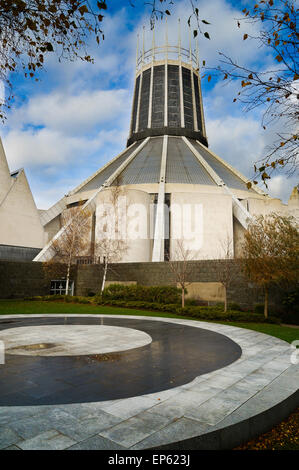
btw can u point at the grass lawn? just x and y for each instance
(14, 307)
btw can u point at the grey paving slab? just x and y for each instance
(8, 437)
(222, 380)
(261, 378)
(131, 406)
(30, 427)
(88, 427)
(12, 448)
(96, 443)
(182, 428)
(49, 440)
(133, 430)
(213, 410)
(9, 414)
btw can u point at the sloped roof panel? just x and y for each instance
(182, 166)
(230, 179)
(145, 167)
(102, 176)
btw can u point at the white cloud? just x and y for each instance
(72, 114)
(281, 187)
(40, 148)
(46, 147)
(236, 140)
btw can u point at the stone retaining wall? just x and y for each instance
(19, 279)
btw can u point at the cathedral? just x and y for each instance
(172, 187)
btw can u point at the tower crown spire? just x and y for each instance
(167, 96)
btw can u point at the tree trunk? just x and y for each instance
(67, 279)
(266, 302)
(104, 276)
(183, 297)
(225, 300)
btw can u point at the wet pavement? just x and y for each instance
(175, 356)
(186, 403)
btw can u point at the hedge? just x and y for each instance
(208, 313)
(159, 294)
(213, 313)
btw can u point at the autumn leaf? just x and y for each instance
(49, 47)
(83, 9)
(102, 5)
(245, 37)
(206, 35)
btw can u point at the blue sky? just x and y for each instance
(76, 118)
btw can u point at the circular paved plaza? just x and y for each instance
(125, 382)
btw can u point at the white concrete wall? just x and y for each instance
(5, 178)
(19, 217)
(266, 206)
(136, 228)
(52, 228)
(204, 222)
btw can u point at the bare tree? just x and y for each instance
(181, 267)
(30, 30)
(275, 90)
(225, 267)
(73, 242)
(111, 243)
(271, 252)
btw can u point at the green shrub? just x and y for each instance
(290, 301)
(259, 308)
(156, 294)
(207, 313)
(193, 302)
(234, 306)
(91, 294)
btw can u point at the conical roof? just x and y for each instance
(185, 164)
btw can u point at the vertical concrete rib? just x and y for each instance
(166, 95)
(159, 234)
(201, 108)
(150, 105)
(45, 254)
(138, 105)
(194, 102)
(181, 95)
